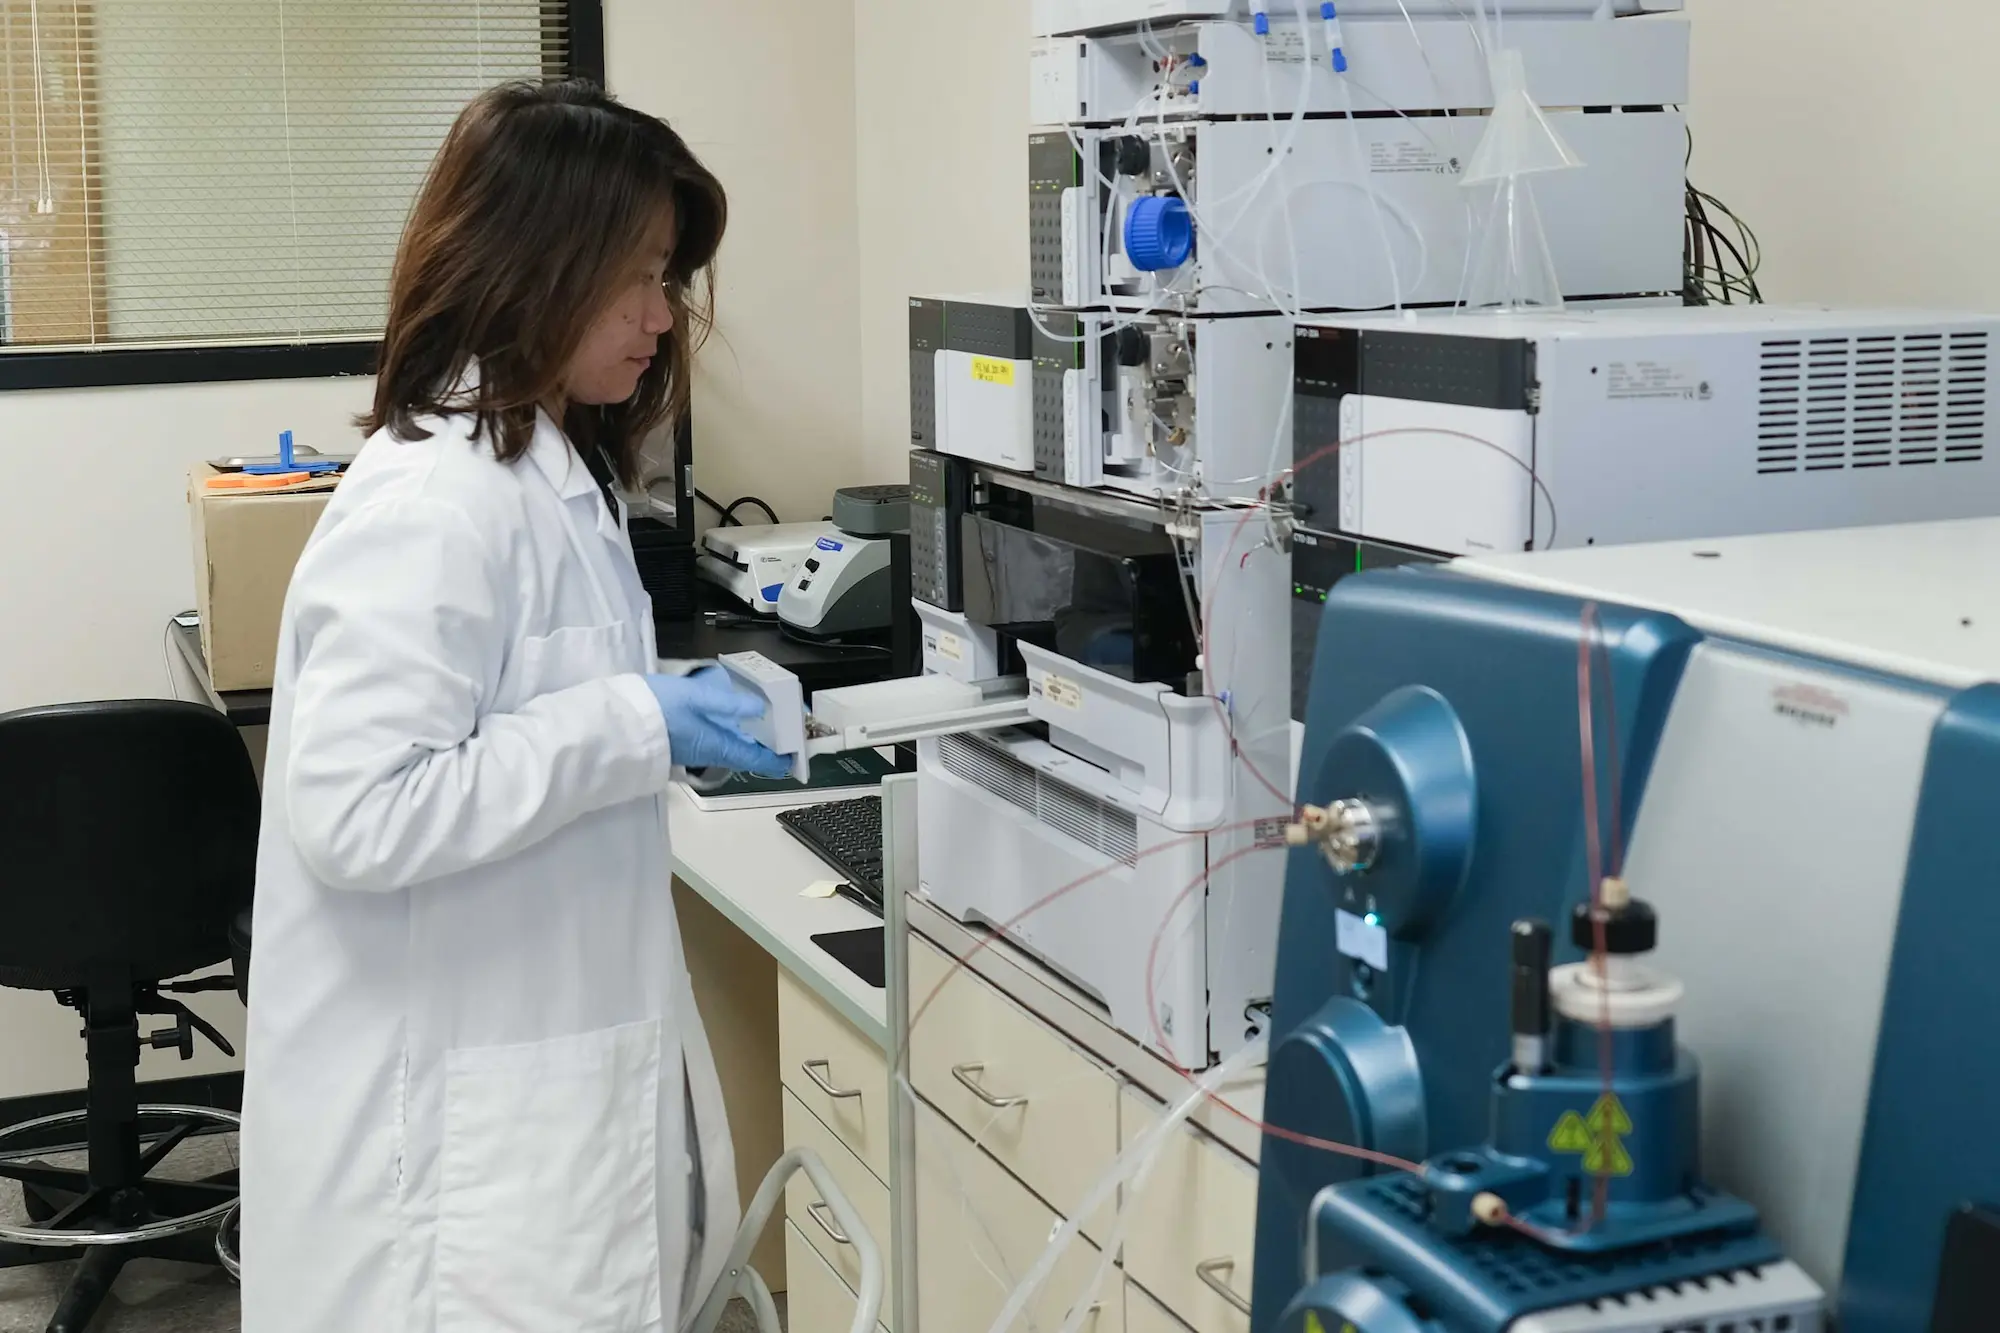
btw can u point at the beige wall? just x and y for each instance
(763, 90)
(1859, 139)
(94, 525)
(942, 106)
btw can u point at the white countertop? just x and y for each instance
(752, 871)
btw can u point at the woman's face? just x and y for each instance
(625, 337)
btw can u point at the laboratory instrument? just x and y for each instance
(781, 726)
(844, 585)
(754, 562)
(1072, 724)
(972, 364)
(1072, 16)
(1364, 212)
(940, 494)
(1754, 776)
(1153, 405)
(1215, 68)
(1461, 435)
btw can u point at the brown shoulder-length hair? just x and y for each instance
(533, 213)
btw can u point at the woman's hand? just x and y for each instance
(705, 712)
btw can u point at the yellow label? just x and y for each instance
(1599, 1137)
(1607, 1157)
(987, 370)
(1608, 1116)
(950, 648)
(1570, 1134)
(1062, 693)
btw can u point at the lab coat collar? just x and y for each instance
(548, 447)
(551, 452)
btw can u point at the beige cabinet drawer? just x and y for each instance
(818, 1302)
(840, 1075)
(1194, 1226)
(979, 1231)
(812, 1217)
(1044, 1109)
(1143, 1314)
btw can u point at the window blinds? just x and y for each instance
(230, 171)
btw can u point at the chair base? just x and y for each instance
(105, 1226)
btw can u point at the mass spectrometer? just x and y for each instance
(1642, 900)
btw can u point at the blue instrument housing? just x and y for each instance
(1452, 701)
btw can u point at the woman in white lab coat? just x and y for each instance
(479, 1096)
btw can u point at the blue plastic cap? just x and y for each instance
(1194, 87)
(1159, 233)
(1262, 24)
(1328, 12)
(1196, 61)
(1339, 61)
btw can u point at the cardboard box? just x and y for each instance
(245, 545)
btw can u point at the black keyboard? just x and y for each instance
(847, 835)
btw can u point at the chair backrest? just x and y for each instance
(128, 840)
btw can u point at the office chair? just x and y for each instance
(128, 847)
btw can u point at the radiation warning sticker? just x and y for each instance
(1570, 1135)
(1599, 1137)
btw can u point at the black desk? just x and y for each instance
(244, 708)
(818, 666)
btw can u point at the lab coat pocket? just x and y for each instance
(548, 1215)
(543, 664)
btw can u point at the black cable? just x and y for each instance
(810, 642)
(717, 506)
(729, 514)
(728, 511)
(1716, 268)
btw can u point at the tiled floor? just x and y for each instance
(155, 1297)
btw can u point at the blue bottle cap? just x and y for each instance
(1159, 233)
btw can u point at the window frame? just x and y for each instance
(26, 366)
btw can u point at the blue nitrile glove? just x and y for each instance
(704, 713)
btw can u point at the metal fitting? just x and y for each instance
(1347, 832)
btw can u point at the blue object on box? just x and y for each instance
(286, 463)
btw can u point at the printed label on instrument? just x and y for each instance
(1599, 1137)
(1063, 693)
(950, 647)
(1286, 46)
(1656, 381)
(990, 370)
(1362, 938)
(1270, 833)
(1809, 705)
(1410, 157)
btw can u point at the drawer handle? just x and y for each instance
(1214, 1275)
(818, 1211)
(812, 1070)
(964, 1075)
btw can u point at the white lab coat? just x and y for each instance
(464, 1109)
